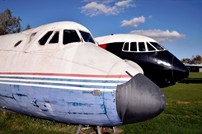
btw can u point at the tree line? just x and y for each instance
(194, 60)
(9, 23)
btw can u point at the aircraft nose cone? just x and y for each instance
(179, 70)
(139, 99)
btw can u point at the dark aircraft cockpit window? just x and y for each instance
(87, 37)
(150, 47)
(18, 43)
(141, 46)
(55, 38)
(157, 46)
(43, 40)
(133, 46)
(70, 36)
(126, 46)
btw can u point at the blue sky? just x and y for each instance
(176, 24)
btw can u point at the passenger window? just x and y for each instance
(126, 46)
(133, 46)
(43, 40)
(141, 46)
(55, 38)
(18, 43)
(157, 46)
(70, 36)
(150, 48)
(87, 37)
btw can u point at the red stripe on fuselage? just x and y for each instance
(103, 46)
(70, 75)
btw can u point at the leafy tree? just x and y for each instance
(28, 27)
(186, 60)
(8, 23)
(197, 59)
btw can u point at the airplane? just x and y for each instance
(57, 72)
(158, 64)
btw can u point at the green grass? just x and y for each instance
(195, 75)
(14, 123)
(183, 115)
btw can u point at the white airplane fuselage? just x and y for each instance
(70, 81)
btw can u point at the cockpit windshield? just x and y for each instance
(70, 36)
(87, 37)
(141, 47)
(157, 46)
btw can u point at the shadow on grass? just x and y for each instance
(191, 80)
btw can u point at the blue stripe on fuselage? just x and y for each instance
(65, 79)
(70, 106)
(57, 82)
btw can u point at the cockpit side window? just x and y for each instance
(150, 47)
(141, 46)
(87, 37)
(157, 46)
(43, 40)
(126, 47)
(70, 36)
(55, 38)
(133, 46)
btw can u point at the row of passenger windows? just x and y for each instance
(69, 36)
(141, 46)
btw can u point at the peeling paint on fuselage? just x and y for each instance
(63, 105)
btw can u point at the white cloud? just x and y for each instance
(107, 7)
(103, 1)
(93, 9)
(159, 35)
(124, 3)
(150, 16)
(133, 22)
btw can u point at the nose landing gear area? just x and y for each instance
(97, 130)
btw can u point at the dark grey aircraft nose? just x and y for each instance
(139, 99)
(179, 69)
